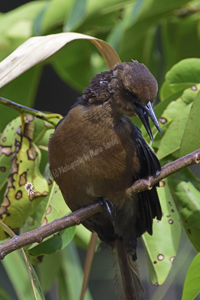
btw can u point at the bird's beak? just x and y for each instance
(144, 112)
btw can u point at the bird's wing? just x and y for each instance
(149, 204)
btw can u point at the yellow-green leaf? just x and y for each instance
(18, 202)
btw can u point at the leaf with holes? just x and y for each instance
(181, 76)
(161, 248)
(20, 201)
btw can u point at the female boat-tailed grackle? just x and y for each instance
(96, 153)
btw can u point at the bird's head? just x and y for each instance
(134, 89)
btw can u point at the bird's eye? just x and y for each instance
(129, 92)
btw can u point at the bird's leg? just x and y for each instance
(109, 208)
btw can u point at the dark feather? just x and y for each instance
(97, 92)
(149, 205)
(126, 274)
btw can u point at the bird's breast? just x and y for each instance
(89, 159)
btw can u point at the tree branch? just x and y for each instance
(37, 235)
(167, 170)
(82, 214)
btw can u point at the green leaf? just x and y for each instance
(6, 142)
(48, 278)
(18, 275)
(53, 16)
(77, 15)
(191, 286)
(58, 242)
(187, 196)
(4, 295)
(174, 132)
(181, 76)
(161, 248)
(68, 66)
(83, 236)
(185, 72)
(18, 204)
(161, 106)
(38, 20)
(150, 11)
(55, 207)
(190, 140)
(190, 94)
(168, 110)
(146, 14)
(36, 287)
(70, 277)
(168, 91)
(16, 26)
(173, 34)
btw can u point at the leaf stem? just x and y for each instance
(36, 113)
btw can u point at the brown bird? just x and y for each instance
(96, 153)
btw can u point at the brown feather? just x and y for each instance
(96, 152)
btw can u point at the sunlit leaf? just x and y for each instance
(174, 132)
(11, 22)
(191, 286)
(191, 140)
(6, 142)
(18, 204)
(171, 91)
(182, 75)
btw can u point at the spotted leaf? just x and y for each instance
(161, 248)
(18, 204)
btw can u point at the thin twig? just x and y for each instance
(37, 235)
(167, 170)
(88, 263)
(82, 214)
(27, 110)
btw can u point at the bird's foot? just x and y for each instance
(109, 208)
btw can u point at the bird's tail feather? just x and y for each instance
(127, 279)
